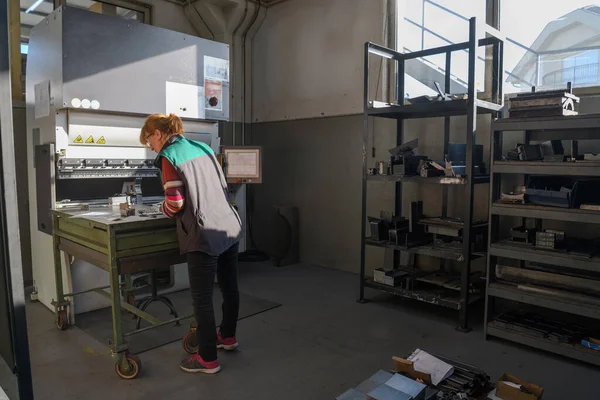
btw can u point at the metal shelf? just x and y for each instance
(511, 292)
(566, 123)
(425, 296)
(468, 108)
(438, 180)
(572, 351)
(425, 250)
(544, 212)
(586, 168)
(527, 252)
(427, 110)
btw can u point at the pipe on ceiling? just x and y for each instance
(244, 38)
(190, 4)
(233, 64)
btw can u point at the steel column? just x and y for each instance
(11, 266)
(363, 213)
(469, 187)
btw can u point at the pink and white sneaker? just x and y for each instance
(196, 364)
(228, 344)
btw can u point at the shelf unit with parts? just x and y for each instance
(537, 296)
(455, 296)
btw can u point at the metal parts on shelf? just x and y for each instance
(522, 234)
(545, 103)
(468, 106)
(400, 231)
(560, 191)
(550, 239)
(557, 274)
(537, 325)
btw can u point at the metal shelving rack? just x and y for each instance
(573, 128)
(469, 107)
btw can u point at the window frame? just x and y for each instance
(493, 17)
(578, 91)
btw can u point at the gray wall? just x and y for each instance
(307, 97)
(313, 164)
(307, 58)
(316, 165)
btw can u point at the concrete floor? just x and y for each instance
(317, 345)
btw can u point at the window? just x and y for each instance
(424, 24)
(550, 46)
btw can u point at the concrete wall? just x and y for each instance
(170, 16)
(307, 58)
(307, 115)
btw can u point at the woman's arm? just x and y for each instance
(174, 190)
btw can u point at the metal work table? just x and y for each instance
(122, 246)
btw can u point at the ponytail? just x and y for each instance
(175, 124)
(168, 125)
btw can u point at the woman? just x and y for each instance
(208, 230)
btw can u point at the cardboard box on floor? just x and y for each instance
(407, 367)
(528, 391)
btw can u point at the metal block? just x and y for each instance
(406, 385)
(385, 392)
(389, 278)
(379, 378)
(457, 153)
(352, 394)
(45, 193)
(444, 230)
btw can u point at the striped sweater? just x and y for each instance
(174, 190)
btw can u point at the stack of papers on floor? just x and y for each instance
(425, 362)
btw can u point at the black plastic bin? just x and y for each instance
(559, 191)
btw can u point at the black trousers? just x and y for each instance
(202, 268)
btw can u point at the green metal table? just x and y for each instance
(122, 246)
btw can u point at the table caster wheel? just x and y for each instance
(134, 367)
(62, 320)
(190, 342)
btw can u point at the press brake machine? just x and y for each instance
(91, 81)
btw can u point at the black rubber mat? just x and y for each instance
(98, 324)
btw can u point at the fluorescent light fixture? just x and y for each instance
(34, 6)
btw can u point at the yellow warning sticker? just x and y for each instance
(78, 139)
(101, 140)
(90, 139)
